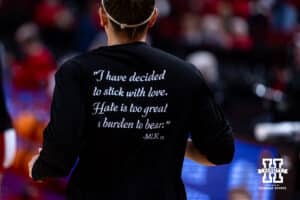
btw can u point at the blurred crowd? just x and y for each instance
(73, 25)
(218, 36)
(40, 34)
(230, 24)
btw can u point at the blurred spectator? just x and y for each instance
(259, 23)
(7, 133)
(164, 7)
(284, 16)
(293, 85)
(207, 64)
(286, 79)
(207, 7)
(88, 26)
(33, 70)
(52, 14)
(56, 22)
(213, 32)
(263, 6)
(191, 29)
(240, 34)
(241, 8)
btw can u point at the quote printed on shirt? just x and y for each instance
(150, 128)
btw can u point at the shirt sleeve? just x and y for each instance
(62, 137)
(210, 131)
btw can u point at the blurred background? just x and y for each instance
(248, 51)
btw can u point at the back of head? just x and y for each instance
(130, 17)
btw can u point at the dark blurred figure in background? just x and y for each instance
(294, 98)
(293, 86)
(56, 21)
(285, 79)
(7, 133)
(88, 26)
(33, 70)
(284, 16)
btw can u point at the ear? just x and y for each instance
(153, 19)
(103, 17)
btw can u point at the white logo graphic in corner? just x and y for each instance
(272, 170)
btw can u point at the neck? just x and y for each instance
(113, 39)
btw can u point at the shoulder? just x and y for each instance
(69, 69)
(179, 63)
(167, 56)
(74, 64)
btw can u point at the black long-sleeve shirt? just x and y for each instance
(126, 111)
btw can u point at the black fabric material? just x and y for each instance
(126, 163)
(5, 121)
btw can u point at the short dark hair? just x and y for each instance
(129, 12)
